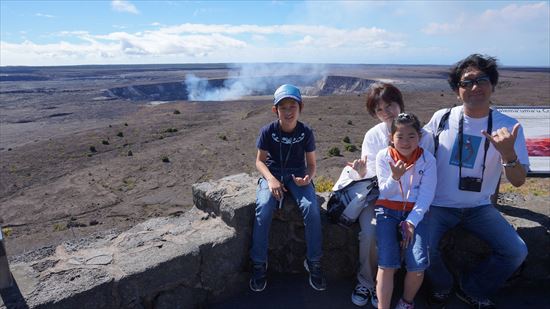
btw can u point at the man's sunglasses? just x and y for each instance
(469, 83)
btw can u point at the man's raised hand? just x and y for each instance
(504, 141)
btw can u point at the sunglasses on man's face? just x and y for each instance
(469, 83)
(405, 116)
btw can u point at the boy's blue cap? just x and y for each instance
(287, 91)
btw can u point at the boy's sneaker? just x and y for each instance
(483, 303)
(361, 296)
(258, 281)
(316, 277)
(438, 299)
(404, 305)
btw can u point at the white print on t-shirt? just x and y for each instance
(288, 140)
(470, 148)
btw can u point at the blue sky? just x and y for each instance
(379, 32)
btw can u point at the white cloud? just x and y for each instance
(445, 28)
(515, 13)
(509, 18)
(124, 6)
(200, 43)
(44, 15)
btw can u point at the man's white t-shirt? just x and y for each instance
(447, 192)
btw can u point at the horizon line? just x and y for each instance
(253, 63)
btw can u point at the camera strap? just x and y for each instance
(461, 141)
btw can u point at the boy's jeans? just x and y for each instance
(265, 205)
(487, 223)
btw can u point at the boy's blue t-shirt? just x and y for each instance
(301, 139)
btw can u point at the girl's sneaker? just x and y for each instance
(404, 305)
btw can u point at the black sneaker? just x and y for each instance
(361, 295)
(316, 277)
(258, 281)
(438, 299)
(483, 303)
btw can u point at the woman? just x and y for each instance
(385, 102)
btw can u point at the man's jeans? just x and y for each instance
(487, 223)
(265, 205)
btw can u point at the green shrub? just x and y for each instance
(130, 153)
(323, 184)
(165, 159)
(222, 137)
(350, 122)
(346, 140)
(350, 147)
(59, 227)
(120, 134)
(92, 149)
(334, 152)
(7, 231)
(105, 142)
(177, 112)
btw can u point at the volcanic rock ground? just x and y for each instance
(65, 168)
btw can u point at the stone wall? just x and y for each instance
(201, 256)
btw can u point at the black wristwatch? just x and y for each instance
(512, 163)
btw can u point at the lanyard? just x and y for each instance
(405, 199)
(461, 141)
(283, 163)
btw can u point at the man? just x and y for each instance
(466, 182)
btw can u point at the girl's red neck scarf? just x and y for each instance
(396, 156)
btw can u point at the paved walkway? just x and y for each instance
(293, 291)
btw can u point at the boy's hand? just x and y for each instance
(359, 165)
(407, 229)
(399, 169)
(299, 181)
(276, 188)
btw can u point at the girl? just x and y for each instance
(407, 178)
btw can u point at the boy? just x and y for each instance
(286, 160)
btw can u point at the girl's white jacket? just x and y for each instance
(376, 139)
(420, 190)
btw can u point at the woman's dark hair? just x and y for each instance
(484, 63)
(405, 119)
(386, 92)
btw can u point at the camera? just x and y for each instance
(470, 184)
